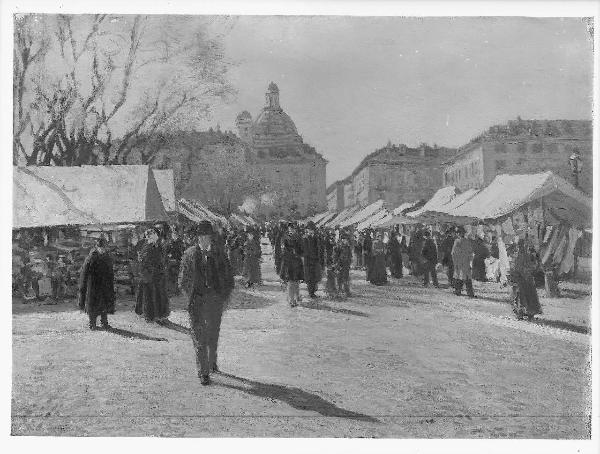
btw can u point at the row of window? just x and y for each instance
(471, 170)
(523, 147)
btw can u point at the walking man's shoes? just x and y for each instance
(215, 369)
(204, 380)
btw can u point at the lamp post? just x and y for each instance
(576, 166)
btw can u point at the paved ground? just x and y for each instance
(394, 361)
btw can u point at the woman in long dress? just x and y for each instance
(395, 254)
(152, 301)
(252, 261)
(292, 268)
(525, 299)
(378, 274)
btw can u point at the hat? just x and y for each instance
(204, 228)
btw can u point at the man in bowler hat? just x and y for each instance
(206, 278)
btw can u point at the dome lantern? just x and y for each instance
(272, 96)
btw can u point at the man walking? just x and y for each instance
(446, 254)
(206, 278)
(430, 258)
(462, 254)
(312, 254)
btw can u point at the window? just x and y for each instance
(500, 148)
(522, 147)
(500, 164)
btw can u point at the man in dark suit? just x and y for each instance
(312, 253)
(430, 256)
(206, 278)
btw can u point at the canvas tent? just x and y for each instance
(443, 202)
(46, 196)
(241, 219)
(561, 200)
(165, 182)
(336, 218)
(326, 219)
(317, 217)
(373, 219)
(396, 219)
(363, 214)
(408, 206)
(197, 212)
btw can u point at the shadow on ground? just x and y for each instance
(320, 306)
(294, 397)
(175, 326)
(561, 325)
(133, 335)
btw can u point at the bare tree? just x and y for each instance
(222, 177)
(31, 43)
(104, 82)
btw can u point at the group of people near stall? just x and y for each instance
(302, 253)
(307, 253)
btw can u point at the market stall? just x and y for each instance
(59, 211)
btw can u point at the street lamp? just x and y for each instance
(576, 166)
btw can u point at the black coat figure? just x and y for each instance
(367, 245)
(430, 258)
(312, 253)
(291, 259)
(206, 278)
(152, 301)
(96, 287)
(446, 256)
(395, 254)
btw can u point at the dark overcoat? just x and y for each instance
(96, 284)
(252, 256)
(201, 279)
(377, 271)
(395, 255)
(291, 259)
(312, 253)
(525, 295)
(152, 300)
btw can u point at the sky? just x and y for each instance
(352, 83)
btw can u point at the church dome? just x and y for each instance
(274, 128)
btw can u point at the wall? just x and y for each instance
(466, 171)
(349, 194)
(332, 201)
(299, 184)
(539, 155)
(362, 187)
(406, 182)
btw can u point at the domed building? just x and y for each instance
(294, 170)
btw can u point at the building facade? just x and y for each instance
(335, 196)
(294, 173)
(395, 174)
(523, 146)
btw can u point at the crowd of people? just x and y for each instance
(309, 253)
(203, 259)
